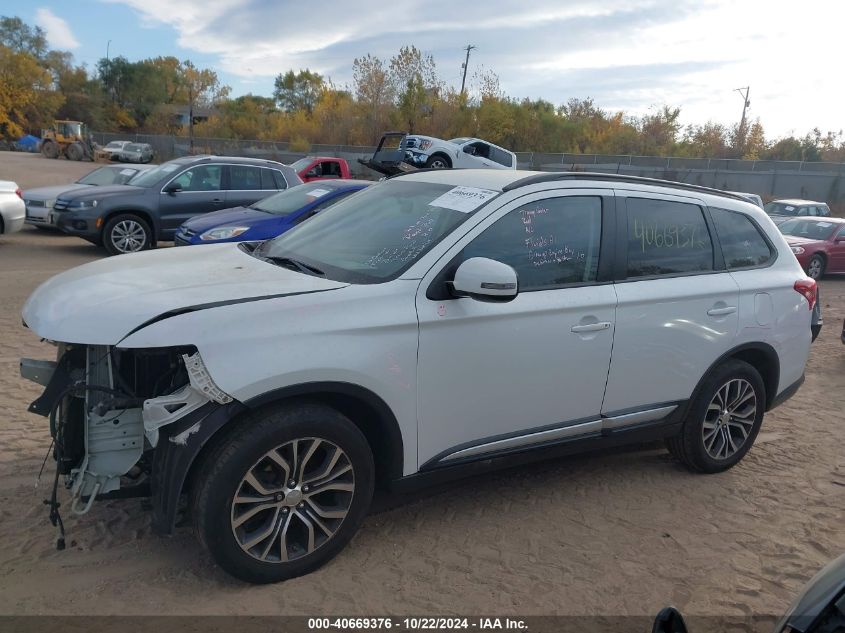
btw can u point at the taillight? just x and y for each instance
(807, 289)
(19, 192)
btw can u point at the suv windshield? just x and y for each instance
(293, 199)
(134, 147)
(374, 235)
(152, 176)
(781, 208)
(810, 229)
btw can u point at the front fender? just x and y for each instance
(178, 446)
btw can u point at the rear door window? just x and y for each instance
(667, 238)
(267, 181)
(244, 178)
(742, 243)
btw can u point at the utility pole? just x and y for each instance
(745, 103)
(190, 74)
(466, 64)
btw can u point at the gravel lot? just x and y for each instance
(615, 534)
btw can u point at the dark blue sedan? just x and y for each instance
(267, 218)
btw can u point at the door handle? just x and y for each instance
(590, 327)
(215, 200)
(721, 311)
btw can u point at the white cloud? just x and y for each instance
(58, 32)
(626, 54)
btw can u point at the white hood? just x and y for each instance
(101, 302)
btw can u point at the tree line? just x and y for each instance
(38, 85)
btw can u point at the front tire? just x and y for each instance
(284, 492)
(723, 420)
(438, 161)
(126, 233)
(815, 267)
(75, 151)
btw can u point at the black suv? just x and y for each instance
(150, 207)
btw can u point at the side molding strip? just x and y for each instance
(572, 431)
(628, 419)
(592, 426)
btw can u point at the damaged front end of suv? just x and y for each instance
(119, 419)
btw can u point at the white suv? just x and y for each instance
(429, 326)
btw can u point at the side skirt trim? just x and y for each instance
(548, 436)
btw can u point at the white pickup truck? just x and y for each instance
(398, 152)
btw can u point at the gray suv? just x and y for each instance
(150, 207)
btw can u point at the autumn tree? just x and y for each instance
(298, 91)
(374, 93)
(19, 37)
(413, 76)
(27, 100)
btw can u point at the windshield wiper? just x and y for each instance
(294, 264)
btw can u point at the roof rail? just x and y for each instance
(637, 180)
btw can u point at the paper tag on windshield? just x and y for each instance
(463, 199)
(789, 208)
(127, 172)
(316, 193)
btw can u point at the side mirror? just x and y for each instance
(485, 280)
(173, 187)
(469, 149)
(311, 173)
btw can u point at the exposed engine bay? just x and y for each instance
(106, 406)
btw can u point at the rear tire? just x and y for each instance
(126, 233)
(279, 528)
(816, 266)
(723, 420)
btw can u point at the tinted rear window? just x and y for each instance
(667, 238)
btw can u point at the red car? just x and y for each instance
(818, 244)
(313, 168)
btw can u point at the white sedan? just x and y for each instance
(12, 209)
(463, 153)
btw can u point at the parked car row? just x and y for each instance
(125, 152)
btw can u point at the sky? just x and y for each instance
(631, 55)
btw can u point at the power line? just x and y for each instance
(466, 64)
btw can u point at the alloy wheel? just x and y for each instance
(814, 269)
(729, 418)
(293, 500)
(439, 163)
(128, 236)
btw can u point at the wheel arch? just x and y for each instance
(761, 356)
(184, 445)
(442, 154)
(365, 409)
(144, 214)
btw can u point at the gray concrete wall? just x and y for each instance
(769, 179)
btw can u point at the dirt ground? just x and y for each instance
(623, 533)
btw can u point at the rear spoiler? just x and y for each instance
(389, 157)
